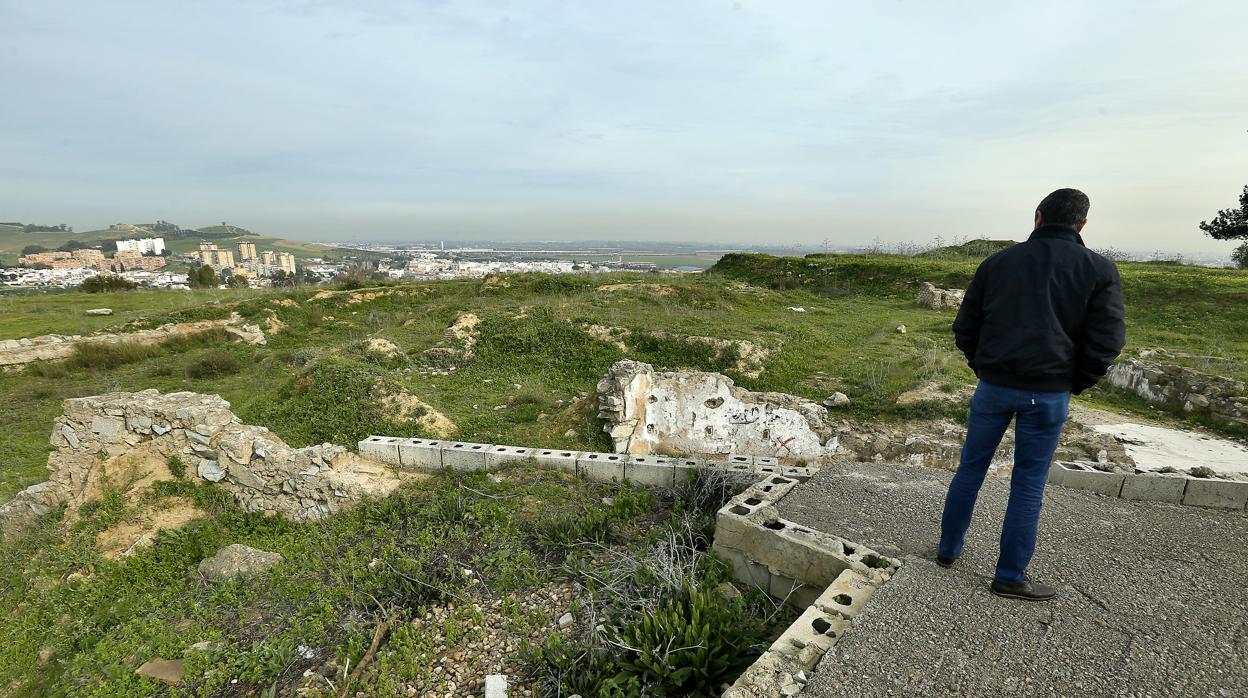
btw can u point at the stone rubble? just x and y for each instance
(15, 353)
(260, 470)
(937, 298)
(237, 560)
(1182, 388)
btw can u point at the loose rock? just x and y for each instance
(238, 560)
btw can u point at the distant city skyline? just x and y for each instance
(725, 124)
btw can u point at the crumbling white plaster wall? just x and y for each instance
(694, 412)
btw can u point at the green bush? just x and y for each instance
(213, 363)
(334, 400)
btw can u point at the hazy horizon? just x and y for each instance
(727, 124)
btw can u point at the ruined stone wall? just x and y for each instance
(937, 298)
(698, 413)
(262, 472)
(1182, 388)
(15, 353)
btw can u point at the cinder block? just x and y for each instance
(800, 473)
(420, 454)
(768, 490)
(743, 568)
(685, 469)
(498, 455)
(797, 594)
(810, 637)
(1081, 477)
(652, 471)
(733, 528)
(767, 465)
(601, 467)
(734, 459)
(383, 449)
(846, 595)
(557, 460)
(1217, 494)
(464, 455)
(812, 558)
(1154, 488)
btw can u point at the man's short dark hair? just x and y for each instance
(1065, 207)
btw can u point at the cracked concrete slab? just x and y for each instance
(1151, 595)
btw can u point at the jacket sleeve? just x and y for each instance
(970, 319)
(1104, 333)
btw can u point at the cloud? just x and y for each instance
(709, 120)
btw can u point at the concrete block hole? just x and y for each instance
(843, 599)
(739, 510)
(875, 562)
(823, 627)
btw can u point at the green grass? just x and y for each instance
(35, 314)
(77, 623)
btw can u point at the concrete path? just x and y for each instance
(1153, 597)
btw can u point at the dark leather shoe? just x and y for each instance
(1025, 590)
(945, 561)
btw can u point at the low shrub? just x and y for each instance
(689, 647)
(102, 356)
(213, 363)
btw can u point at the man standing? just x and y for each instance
(1041, 320)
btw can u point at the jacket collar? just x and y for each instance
(1057, 232)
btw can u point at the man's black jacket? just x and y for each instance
(1043, 315)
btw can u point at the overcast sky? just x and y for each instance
(758, 121)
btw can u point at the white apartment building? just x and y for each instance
(142, 246)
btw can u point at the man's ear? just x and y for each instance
(1039, 219)
(1079, 228)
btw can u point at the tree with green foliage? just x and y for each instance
(1229, 224)
(280, 279)
(33, 249)
(203, 277)
(237, 281)
(1240, 256)
(104, 283)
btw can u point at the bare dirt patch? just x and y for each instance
(610, 335)
(404, 407)
(658, 290)
(383, 347)
(139, 532)
(933, 392)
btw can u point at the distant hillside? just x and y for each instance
(974, 249)
(844, 274)
(223, 231)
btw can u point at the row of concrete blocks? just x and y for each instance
(783, 668)
(773, 553)
(1175, 489)
(656, 471)
(829, 577)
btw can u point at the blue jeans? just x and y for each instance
(1040, 417)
